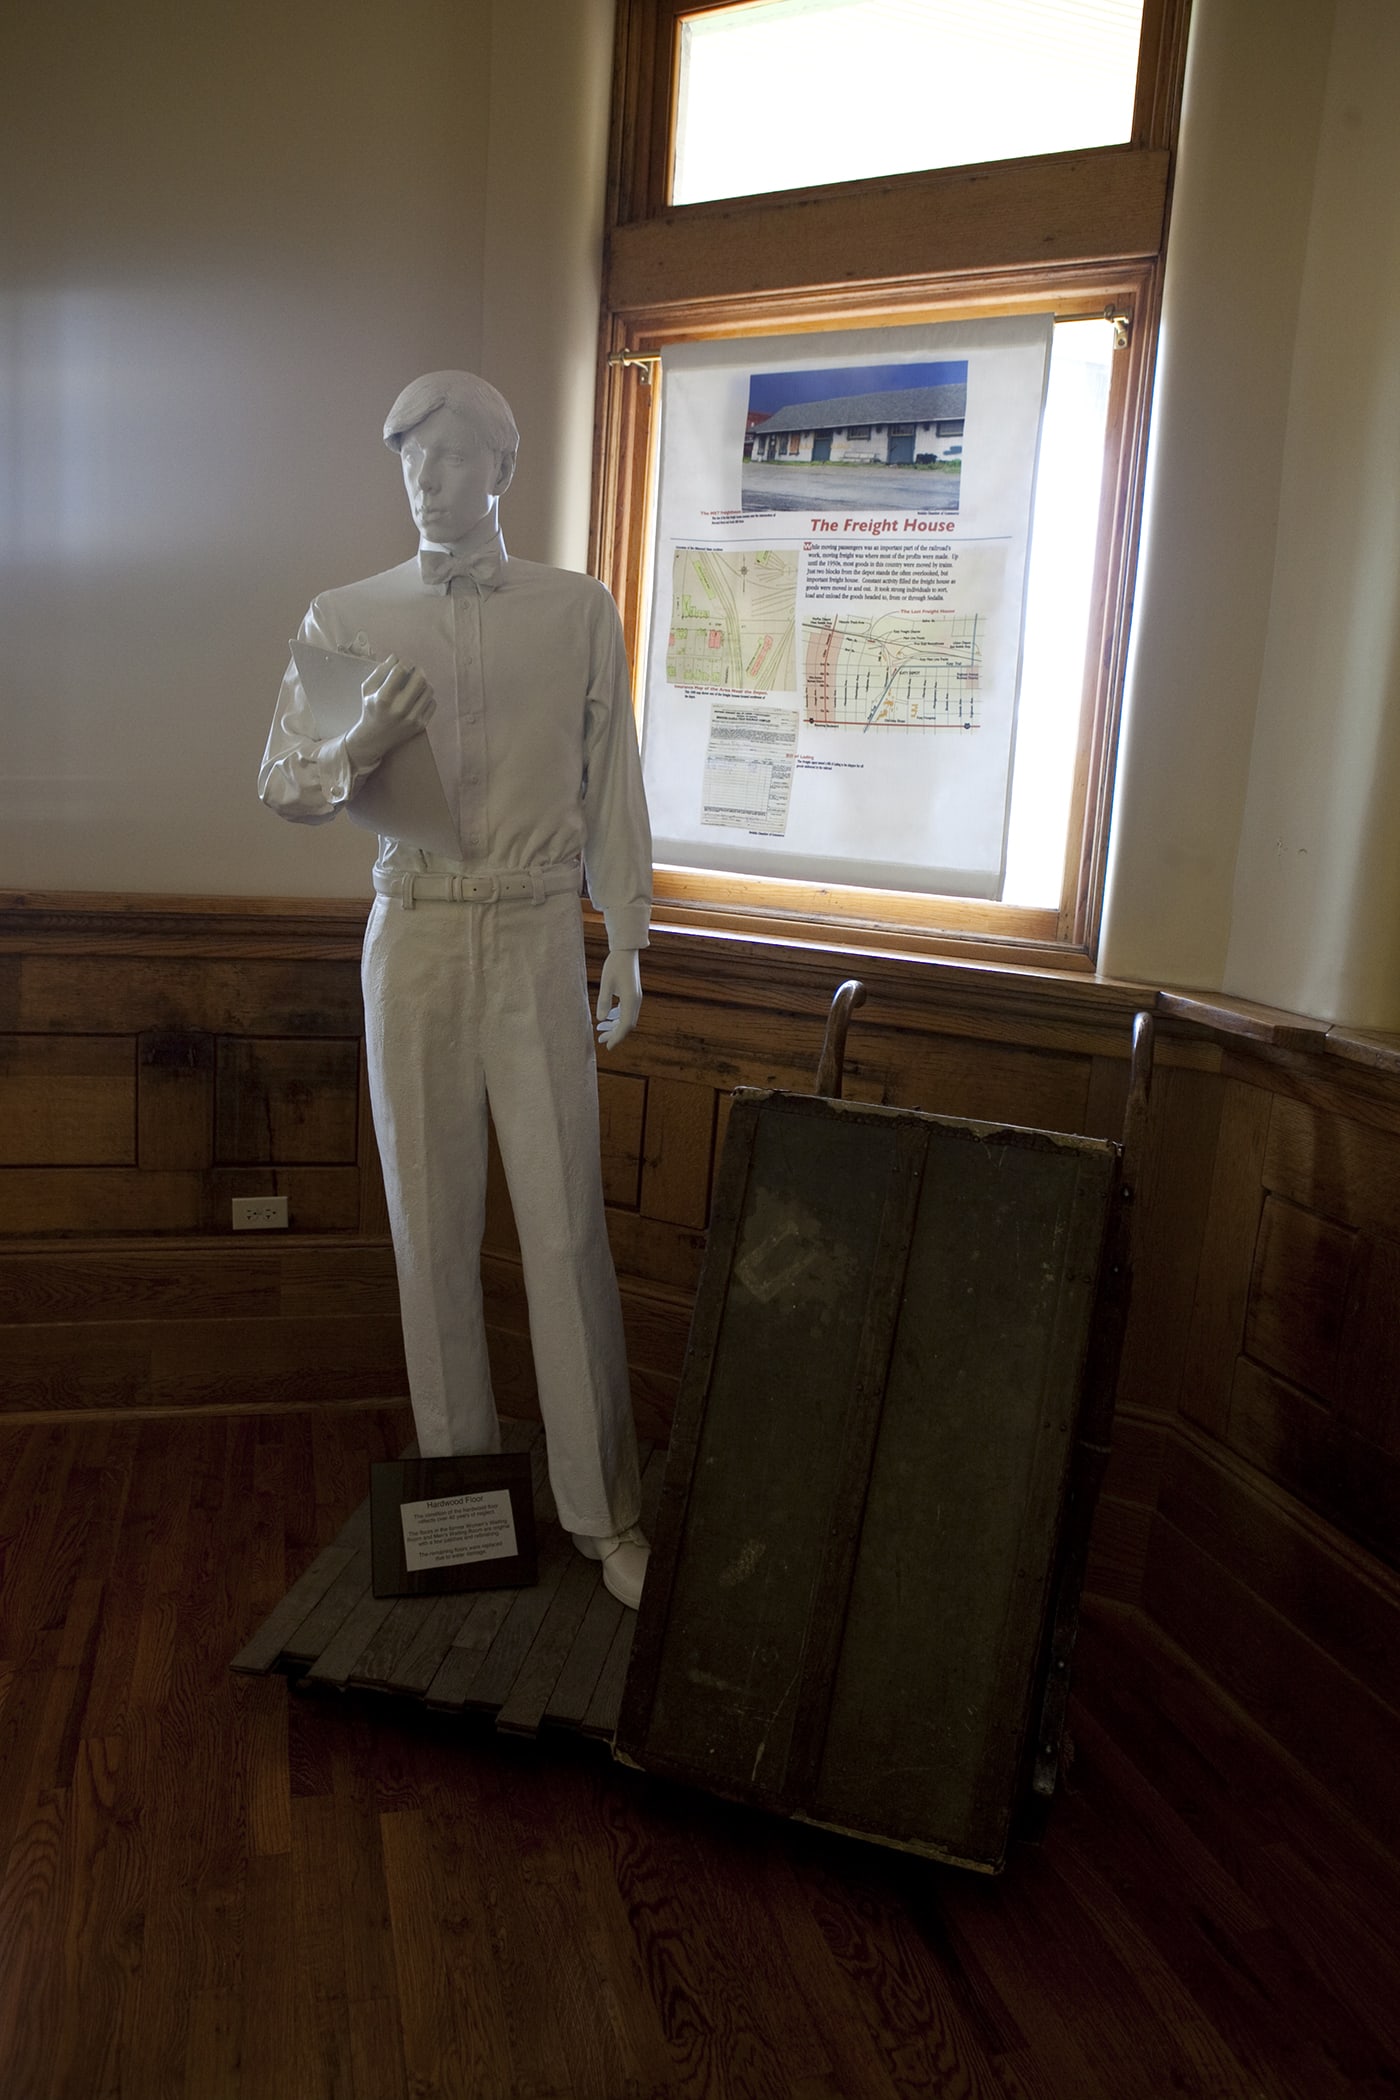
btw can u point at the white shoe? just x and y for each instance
(624, 1556)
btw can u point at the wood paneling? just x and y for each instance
(1317, 1457)
(676, 1151)
(171, 1324)
(1332, 1594)
(1367, 1395)
(155, 1124)
(1328, 1718)
(1331, 1079)
(1227, 1253)
(279, 988)
(1106, 1098)
(296, 1101)
(1172, 1207)
(956, 1076)
(621, 1106)
(1345, 1170)
(1298, 1295)
(174, 1100)
(115, 1200)
(216, 994)
(655, 1252)
(69, 1101)
(225, 1363)
(160, 1280)
(1117, 1550)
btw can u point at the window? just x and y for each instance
(1072, 236)
(853, 88)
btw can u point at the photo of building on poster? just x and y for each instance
(860, 437)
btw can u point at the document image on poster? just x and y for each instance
(733, 618)
(903, 670)
(843, 528)
(748, 768)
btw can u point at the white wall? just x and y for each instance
(1316, 921)
(1255, 845)
(1234, 274)
(246, 225)
(551, 96)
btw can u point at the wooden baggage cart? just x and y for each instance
(890, 1432)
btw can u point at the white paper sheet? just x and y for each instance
(451, 1531)
(403, 798)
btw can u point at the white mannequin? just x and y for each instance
(473, 968)
(454, 482)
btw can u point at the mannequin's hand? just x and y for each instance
(619, 997)
(396, 701)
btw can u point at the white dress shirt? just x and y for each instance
(532, 732)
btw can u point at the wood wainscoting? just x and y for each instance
(1273, 1556)
(160, 1056)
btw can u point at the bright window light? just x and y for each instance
(1059, 586)
(786, 94)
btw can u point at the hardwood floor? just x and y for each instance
(215, 1887)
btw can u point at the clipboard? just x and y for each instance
(403, 798)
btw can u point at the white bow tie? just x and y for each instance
(483, 565)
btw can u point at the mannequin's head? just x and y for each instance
(457, 441)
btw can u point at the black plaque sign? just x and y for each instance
(440, 1524)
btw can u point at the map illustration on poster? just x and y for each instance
(842, 535)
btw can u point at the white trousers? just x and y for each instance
(465, 1005)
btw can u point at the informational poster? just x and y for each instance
(842, 536)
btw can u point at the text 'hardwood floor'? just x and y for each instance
(214, 1887)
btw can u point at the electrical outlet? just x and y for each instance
(259, 1213)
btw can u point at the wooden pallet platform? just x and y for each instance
(555, 1653)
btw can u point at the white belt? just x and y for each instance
(535, 883)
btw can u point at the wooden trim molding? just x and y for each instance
(753, 961)
(1073, 208)
(125, 922)
(1373, 1049)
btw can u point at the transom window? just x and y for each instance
(787, 93)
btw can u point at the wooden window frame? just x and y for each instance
(1080, 234)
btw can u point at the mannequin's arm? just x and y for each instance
(307, 778)
(619, 997)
